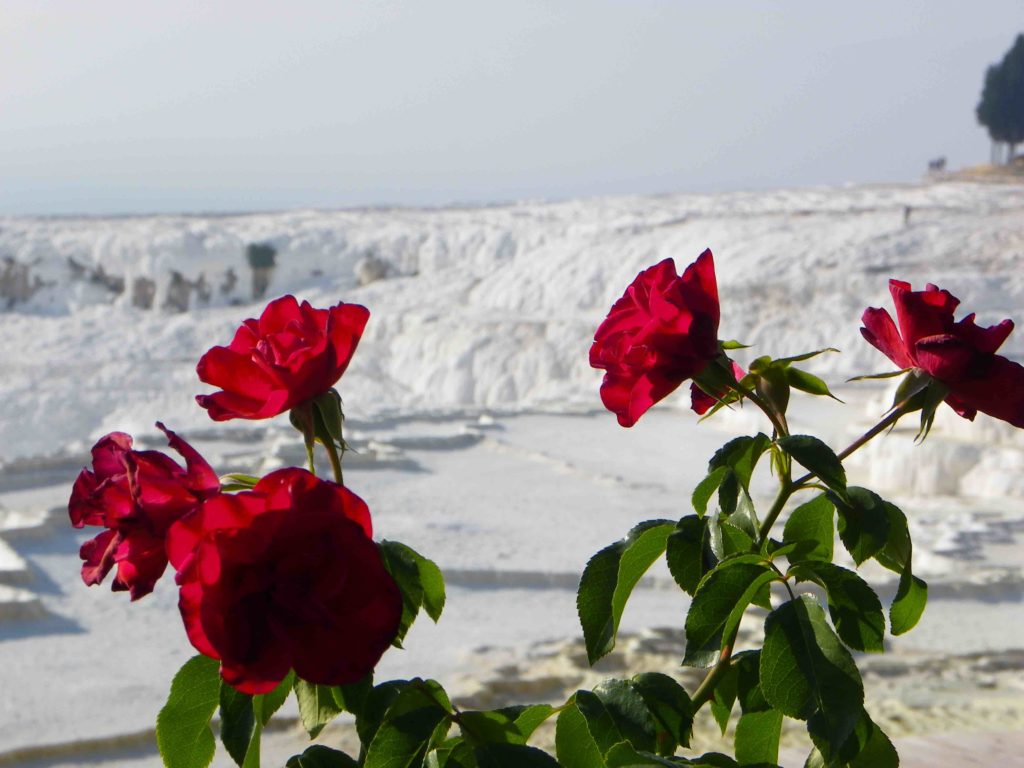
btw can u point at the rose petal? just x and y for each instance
(880, 332)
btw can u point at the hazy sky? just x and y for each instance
(165, 106)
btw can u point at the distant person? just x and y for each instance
(907, 210)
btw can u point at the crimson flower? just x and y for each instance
(293, 353)
(960, 355)
(663, 331)
(136, 496)
(285, 576)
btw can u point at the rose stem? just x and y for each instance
(332, 453)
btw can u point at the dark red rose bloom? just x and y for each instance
(290, 355)
(960, 355)
(136, 496)
(285, 576)
(662, 331)
(701, 402)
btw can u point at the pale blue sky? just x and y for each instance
(111, 106)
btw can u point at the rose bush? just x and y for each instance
(282, 588)
(291, 354)
(959, 355)
(663, 331)
(136, 496)
(285, 576)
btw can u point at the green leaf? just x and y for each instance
(273, 701)
(809, 383)
(724, 698)
(863, 522)
(866, 747)
(624, 755)
(609, 579)
(378, 701)
(811, 527)
(419, 580)
(252, 752)
(405, 733)
(670, 707)
(706, 488)
(629, 712)
(529, 718)
(183, 732)
(453, 753)
(877, 752)
(352, 697)
(817, 458)
(745, 518)
(317, 706)
(748, 681)
(319, 756)
(688, 552)
(740, 456)
(807, 672)
(718, 606)
(896, 554)
(236, 722)
(854, 607)
(575, 745)
(757, 737)
(487, 727)
(714, 760)
(909, 603)
(601, 722)
(728, 540)
(512, 756)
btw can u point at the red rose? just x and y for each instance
(662, 331)
(960, 355)
(285, 576)
(136, 495)
(290, 355)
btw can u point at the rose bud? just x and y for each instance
(285, 576)
(663, 331)
(136, 496)
(960, 355)
(290, 355)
